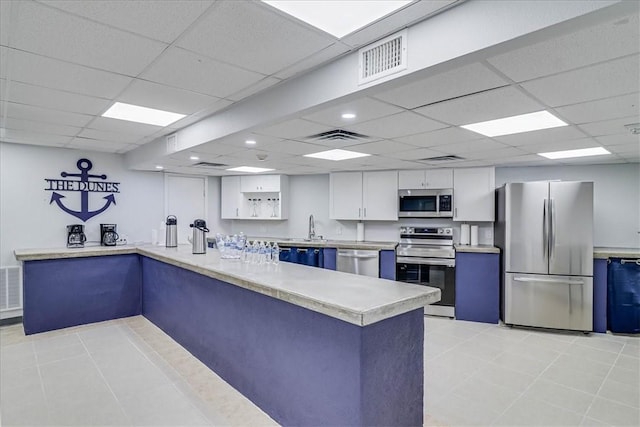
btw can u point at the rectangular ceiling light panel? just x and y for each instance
(135, 113)
(338, 18)
(516, 124)
(250, 169)
(567, 154)
(336, 155)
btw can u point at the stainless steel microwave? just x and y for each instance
(425, 203)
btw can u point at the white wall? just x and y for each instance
(616, 194)
(616, 207)
(28, 220)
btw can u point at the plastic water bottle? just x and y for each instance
(275, 253)
(262, 253)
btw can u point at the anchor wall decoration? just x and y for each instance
(84, 186)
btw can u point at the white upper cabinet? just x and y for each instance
(425, 179)
(255, 197)
(260, 183)
(364, 196)
(474, 194)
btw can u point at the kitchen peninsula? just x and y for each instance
(309, 349)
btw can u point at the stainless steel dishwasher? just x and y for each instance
(363, 262)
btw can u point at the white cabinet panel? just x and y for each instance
(260, 183)
(345, 195)
(380, 196)
(364, 196)
(231, 197)
(474, 194)
(425, 179)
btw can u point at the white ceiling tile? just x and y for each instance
(606, 159)
(460, 148)
(74, 39)
(632, 149)
(109, 136)
(239, 33)
(381, 147)
(585, 47)
(187, 70)
(193, 118)
(41, 127)
(604, 109)
(544, 135)
(6, 18)
(365, 108)
(254, 155)
(621, 138)
(446, 85)
(397, 125)
(494, 154)
(238, 140)
(122, 126)
(42, 71)
(46, 115)
(294, 147)
(493, 104)
(216, 148)
(154, 95)
(54, 99)
(415, 155)
(315, 60)
(254, 88)
(609, 127)
(612, 78)
(37, 138)
(449, 135)
(162, 20)
(98, 145)
(546, 146)
(293, 129)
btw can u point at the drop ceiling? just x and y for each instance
(63, 63)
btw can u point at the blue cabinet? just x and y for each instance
(388, 265)
(313, 257)
(478, 287)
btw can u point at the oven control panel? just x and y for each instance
(427, 231)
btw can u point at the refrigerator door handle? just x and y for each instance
(548, 280)
(545, 229)
(552, 236)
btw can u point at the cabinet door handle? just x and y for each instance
(365, 212)
(236, 211)
(359, 212)
(455, 212)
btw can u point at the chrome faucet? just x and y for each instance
(312, 228)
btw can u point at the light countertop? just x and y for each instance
(323, 243)
(359, 300)
(605, 252)
(486, 249)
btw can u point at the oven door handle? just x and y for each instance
(426, 261)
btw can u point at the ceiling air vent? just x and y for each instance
(383, 58)
(339, 135)
(209, 165)
(441, 159)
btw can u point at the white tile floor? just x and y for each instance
(127, 372)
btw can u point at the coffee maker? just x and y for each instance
(108, 235)
(76, 236)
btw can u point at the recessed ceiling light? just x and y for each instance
(338, 18)
(250, 142)
(583, 152)
(159, 167)
(249, 169)
(336, 155)
(516, 124)
(194, 158)
(348, 116)
(135, 113)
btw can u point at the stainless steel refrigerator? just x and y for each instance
(545, 231)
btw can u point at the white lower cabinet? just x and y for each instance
(474, 194)
(364, 196)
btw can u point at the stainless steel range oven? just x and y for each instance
(426, 256)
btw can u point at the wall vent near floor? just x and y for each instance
(10, 289)
(383, 58)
